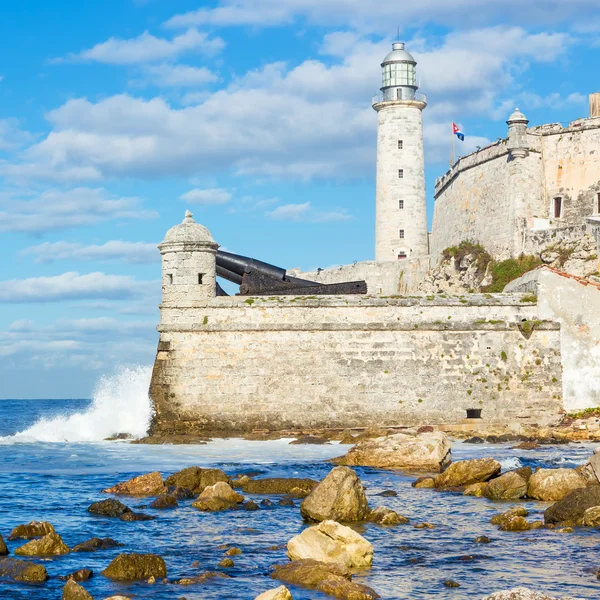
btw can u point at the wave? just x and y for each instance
(120, 404)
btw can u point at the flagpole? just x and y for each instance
(452, 147)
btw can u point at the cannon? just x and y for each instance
(258, 278)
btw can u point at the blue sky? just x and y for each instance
(116, 116)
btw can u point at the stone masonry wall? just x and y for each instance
(239, 364)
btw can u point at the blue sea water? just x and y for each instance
(57, 480)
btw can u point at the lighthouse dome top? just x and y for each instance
(188, 231)
(398, 54)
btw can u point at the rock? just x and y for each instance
(449, 583)
(554, 484)
(73, 591)
(49, 545)
(331, 542)
(465, 472)
(226, 563)
(386, 516)
(3, 548)
(329, 578)
(81, 575)
(476, 489)
(165, 501)
(94, 544)
(591, 517)
(339, 497)
(474, 440)
(518, 511)
(594, 464)
(266, 502)
(510, 486)
(278, 485)
(35, 529)
(515, 523)
(573, 506)
(196, 478)
(131, 517)
(310, 439)
(233, 552)
(388, 493)
(202, 578)
(425, 452)
(482, 539)
(522, 593)
(526, 446)
(250, 505)
(108, 508)
(181, 493)
(286, 502)
(280, 593)
(22, 571)
(424, 525)
(150, 484)
(424, 482)
(217, 497)
(134, 567)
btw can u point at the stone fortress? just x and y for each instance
(404, 355)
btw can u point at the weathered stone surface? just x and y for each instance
(573, 506)
(49, 545)
(522, 593)
(554, 484)
(94, 544)
(196, 478)
(476, 489)
(132, 517)
(35, 529)
(73, 591)
(3, 548)
(165, 501)
(181, 493)
(108, 508)
(22, 571)
(465, 472)
(278, 485)
(338, 497)
(510, 486)
(424, 482)
(150, 484)
(515, 523)
(424, 452)
(331, 542)
(217, 497)
(80, 575)
(386, 516)
(226, 563)
(591, 517)
(280, 593)
(594, 464)
(202, 578)
(517, 511)
(132, 567)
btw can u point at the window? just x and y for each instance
(401, 255)
(598, 203)
(557, 212)
(401, 204)
(170, 278)
(200, 276)
(401, 234)
(400, 144)
(401, 173)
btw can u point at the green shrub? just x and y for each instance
(508, 270)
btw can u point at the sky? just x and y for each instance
(118, 115)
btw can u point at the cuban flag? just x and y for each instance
(457, 132)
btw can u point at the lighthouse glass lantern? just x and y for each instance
(399, 75)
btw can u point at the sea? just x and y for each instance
(54, 462)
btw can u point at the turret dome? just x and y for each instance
(189, 231)
(398, 54)
(517, 117)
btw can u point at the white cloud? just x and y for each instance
(74, 286)
(210, 196)
(58, 209)
(147, 48)
(11, 136)
(306, 213)
(166, 75)
(129, 252)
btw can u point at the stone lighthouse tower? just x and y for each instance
(401, 209)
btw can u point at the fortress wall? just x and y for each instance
(239, 364)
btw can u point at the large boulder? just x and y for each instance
(425, 452)
(73, 591)
(331, 542)
(3, 548)
(338, 497)
(22, 571)
(108, 508)
(466, 472)
(196, 478)
(49, 545)
(150, 484)
(30, 531)
(278, 485)
(219, 496)
(522, 593)
(510, 486)
(554, 484)
(280, 593)
(593, 465)
(573, 506)
(133, 567)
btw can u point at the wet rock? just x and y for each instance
(196, 478)
(73, 591)
(424, 525)
(388, 494)
(522, 593)
(278, 485)
(573, 506)
(202, 578)
(250, 505)
(94, 544)
(181, 493)
(310, 439)
(386, 516)
(109, 508)
(131, 517)
(266, 502)
(424, 452)
(286, 502)
(217, 497)
(465, 472)
(79, 576)
(554, 484)
(22, 571)
(527, 446)
(510, 486)
(331, 542)
(476, 489)
(35, 529)
(474, 440)
(150, 484)
(165, 501)
(49, 545)
(280, 593)
(233, 552)
(134, 567)
(517, 511)
(338, 497)
(424, 482)
(449, 583)
(329, 578)
(591, 517)
(515, 523)
(226, 563)
(594, 466)
(482, 539)
(3, 548)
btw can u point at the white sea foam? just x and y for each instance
(120, 404)
(510, 463)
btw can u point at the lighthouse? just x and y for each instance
(401, 208)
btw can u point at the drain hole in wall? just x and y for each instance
(473, 413)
